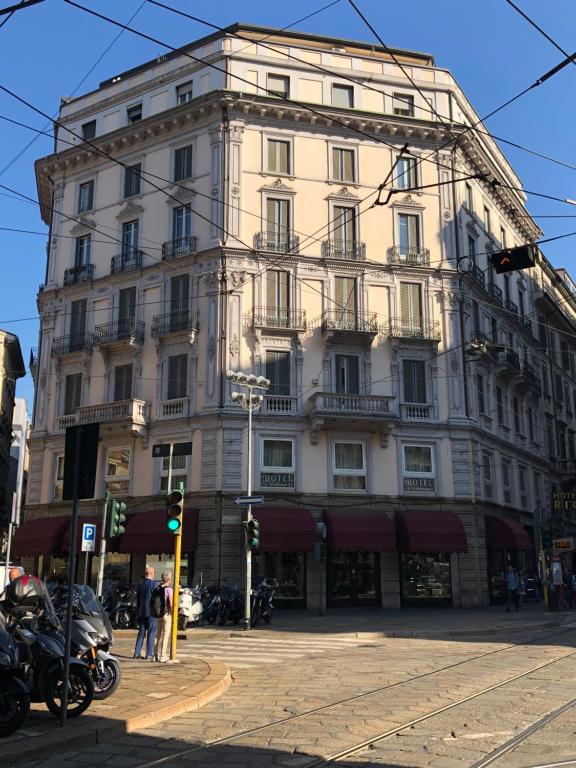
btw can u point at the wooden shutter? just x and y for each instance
(345, 295)
(271, 289)
(127, 305)
(410, 305)
(414, 381)
(177, 376)
(179, 292)
(123, 382)
(278, 371)
(78, 318)
(283, 157)
(73, 393)
(347, 165)
(353, 375)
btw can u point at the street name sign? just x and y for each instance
(162, 450)
(88, 537)
(246, 501)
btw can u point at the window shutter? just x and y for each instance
(282, 156)
(127, 307)
(177, 377)
(348, 165)
(271, 222)
(283, 289)
(413, 231)
(272, 155)
(73, 392)
(179, 294)
(339, 224)
(123, 382)
(410, 305)
(271, 292)
(78, 318)
(414, 381)
(353, 376)
(336, 170)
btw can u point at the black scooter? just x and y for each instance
(14, 695)
(262, 607)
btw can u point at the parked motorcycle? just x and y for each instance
(14, 695)
(262, 607)
(123, 613)
(211, 600)
(190, 608)
(231, 605)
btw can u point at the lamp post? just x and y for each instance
(250, 401)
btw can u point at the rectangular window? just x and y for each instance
(564, 355)
(487, 223)
(177, 377)
(500, 406)
(72, 393)
(502, 237)
(419, 473)
(179, 299)
(179, 472)
(487, 479)
(414, 381)
(405, 177)
(343, 96)
(278, 85)
(411, 308)
(184, 93)
(347, 374)
(506, 487)
(476, 322)
(523, 487)
(537, 490)
(409, 235)
(469, 197)
(349, 470)
(550, 439)
(494, 330)
(343, 165)
(516, 410)
(278, 156)
(134, 114)
(472, 248)
(278, 295)
(82, 254)
(182, 227)
(130, 231)
(561, 436)
(89, 130)
(59, 478)
(123, 382)
(183, 163)
(86, 196)
(403, 104)
(277, 464)
(481, 394)
(530, 417)
(77, 324)
(127, 308)
(344, 230)
(277, 224)
(521, 303)
(132, 177)
(117, 479)
(559, 388)
(278, 372)
(345, 298)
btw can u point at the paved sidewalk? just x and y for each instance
(148, 694)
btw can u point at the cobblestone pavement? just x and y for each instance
(418, 677)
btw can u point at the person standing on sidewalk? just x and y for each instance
(512, 588)
(146, 623)
(165, 609)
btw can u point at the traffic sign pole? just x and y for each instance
(102, 554)
(248, 583)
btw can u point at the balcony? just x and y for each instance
(128, 331)
(531, 379)
(279, 405)
(412, 255)
(175, 409)
(508, 363)
(173, 322)
(278, 242)
(416, 412)
(511, 307)
(565, 467)
(344, 249)
(181, 246)
(414, 331)
(279, 319)
(372, 413)
(134, 414)
(478, 276)
(124, 262)
(78, 274)
(526, 322)
(350, 325)
(496, 293)
(66, 345)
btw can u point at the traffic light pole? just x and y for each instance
(177, 561)
(248, 582)
(102, 553)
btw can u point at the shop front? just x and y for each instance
(41, 537)
(287, 535)
(426, 541)
(355, 539)
(507, 543)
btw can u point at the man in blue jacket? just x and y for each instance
(146, 623)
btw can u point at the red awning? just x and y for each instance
(94, 520)
(285, 529)
(360, 530)
(505, 534)
(430, 531)
(41, 536)
(146, 533)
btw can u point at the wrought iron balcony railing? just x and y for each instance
(127, 330)
(130, 259)
(78, 274)
(507, 358)
(271, 317)
(172, 322)
(279, 242)
(496, 293)
(350, 321)
(344, 249)
(414, 255)
(77, 342)
(511, 307)
(478, 275)
(400, 329)
(181, 246)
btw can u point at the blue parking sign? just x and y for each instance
(88, 537)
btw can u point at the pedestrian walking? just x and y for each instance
(161, 607)
(512, 587)
(521, 587)
(146, 623)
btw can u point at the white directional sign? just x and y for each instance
(88, 537)
(246, 501)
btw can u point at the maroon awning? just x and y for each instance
(359, 530)
(430, 531)
(41, 536)
(94, 520)
(146, 533)
(285, 529)
(505, 534)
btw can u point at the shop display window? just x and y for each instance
(425, 578)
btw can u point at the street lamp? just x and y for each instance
(250, 401)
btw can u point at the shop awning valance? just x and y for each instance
(146, 534)
(94, 520)
(430, 531)
(359, 530)
(285, 529)
(505, 534)
(41, 536)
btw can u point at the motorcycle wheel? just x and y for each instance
(106, 680)
(224, 615)
(256, 617)
(14, 709)
(123, 620)
(80, 694)
(268, 617)
(182, 623)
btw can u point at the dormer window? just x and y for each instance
(134, 114)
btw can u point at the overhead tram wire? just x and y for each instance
(11, 9)
(542, 32)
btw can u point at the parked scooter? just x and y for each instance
(211, 601)
(262, 607)
(231, 605)
(14, 695)
(190, 606)
(123, 613)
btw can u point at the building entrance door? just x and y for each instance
(353, 579)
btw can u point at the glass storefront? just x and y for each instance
(353, 579)
(425, 579)
(162, 563)
(116, 571)
(289, 568)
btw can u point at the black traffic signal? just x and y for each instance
(117, 511)
(175, 510)
(511, 259)
(252, 527)
(546, 538)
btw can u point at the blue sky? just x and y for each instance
(46, 50)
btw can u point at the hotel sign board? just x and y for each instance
(560, 546)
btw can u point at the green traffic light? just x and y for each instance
(173, 524)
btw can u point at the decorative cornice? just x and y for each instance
(278, 186)
(343, 194)
(407, 202)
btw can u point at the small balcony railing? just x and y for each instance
(181, 246)
(526, 322)
(124, 262)
(416, 412)
(173, 409)
(344, 249)
(279, 405)
(496, 293)
(271, 317)
(349, 321)
(414, 255)
(531, 377)
(78, 274)
(135, 411)
(66, 345)
(507, 359)
(279, 242)
(565, 466)
(399, 329)
(478, 275)
(511, 307)
(126, 330)
(172, 322)
(346, 405)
